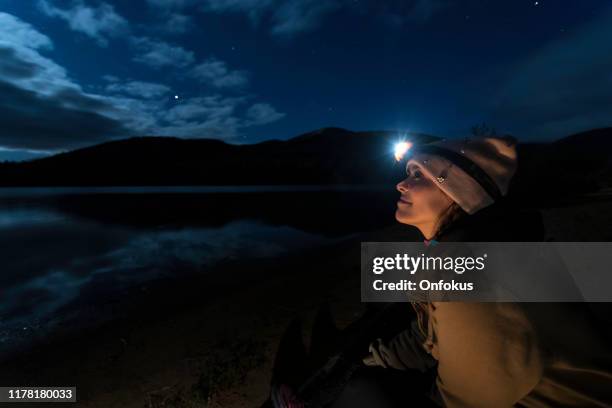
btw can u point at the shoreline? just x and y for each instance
(179, 338)
(211, 342)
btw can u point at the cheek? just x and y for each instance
(416, 213)
(423, 205)
(428, 202)
(437, 203)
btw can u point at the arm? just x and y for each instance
(403, 352)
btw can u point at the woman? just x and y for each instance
(490, 354)
(480, 354)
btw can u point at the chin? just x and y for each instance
(401, 218)
(405, 216)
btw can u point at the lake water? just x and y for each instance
(65, 250)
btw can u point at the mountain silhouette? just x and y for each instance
(325, 156)
(575, 164)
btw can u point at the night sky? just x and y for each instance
(79, 72)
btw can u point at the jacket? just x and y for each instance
(504, 354)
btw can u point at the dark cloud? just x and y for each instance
(32, 121)
(13, 67)
(43, 109)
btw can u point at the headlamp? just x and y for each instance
(400, 149)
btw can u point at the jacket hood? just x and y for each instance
(499, 222)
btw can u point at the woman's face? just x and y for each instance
(421, 202)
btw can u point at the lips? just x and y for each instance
(403, 201)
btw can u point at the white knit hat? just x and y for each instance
(473, 172)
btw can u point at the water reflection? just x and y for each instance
(64, 254)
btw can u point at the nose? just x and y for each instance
(402, 186)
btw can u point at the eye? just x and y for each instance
(416, 174)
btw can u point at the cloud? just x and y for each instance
(146, 90)
(98, 22)
(13, 67)
(199, 108)
(288, 18)
(28, 69)
(158, 54)
(20, 60)
(296, 16)
(216, 117)
(110, 78)
(33, 121)
(176, 23)
(261, 114)
(563, 88)
(212, 116)
(42, 109)
(215, 72)
(255, 9)
(17, 32)
(169, 13)
(402, 13)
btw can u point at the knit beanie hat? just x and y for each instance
(473, 172)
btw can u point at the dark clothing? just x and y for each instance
(500, 222)
(376, 387)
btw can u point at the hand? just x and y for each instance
(369, 360)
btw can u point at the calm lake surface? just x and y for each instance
(68, 250)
